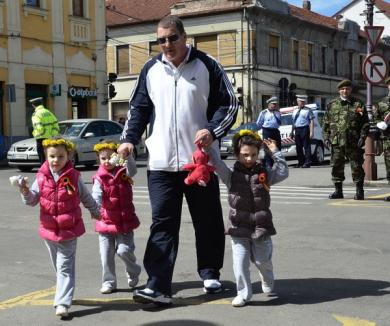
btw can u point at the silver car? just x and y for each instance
(84, 133)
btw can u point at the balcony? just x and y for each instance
(80, 29)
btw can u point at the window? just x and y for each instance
(78, 8)
(273, 50)
(335, 59)
(295, 55)
(350, 64)
(111, 128)
(323, 59)
(122, 60)
(154, 49)
(310, 56)
(33, 3)
(208, 44)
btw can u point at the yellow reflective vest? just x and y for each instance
(44, 122)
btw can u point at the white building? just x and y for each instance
(353, 11)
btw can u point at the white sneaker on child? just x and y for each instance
(62, 311)
(106, 289)
(132, 281)
(267, 287)
(238, 301)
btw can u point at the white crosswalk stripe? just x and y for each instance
(279, 194)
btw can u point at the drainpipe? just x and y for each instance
(249, 68)
(243, 13)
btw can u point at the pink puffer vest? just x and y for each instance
(60, 216)
(117, 209)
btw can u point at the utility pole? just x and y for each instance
(370, 167)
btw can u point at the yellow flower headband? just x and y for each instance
(59, 142)
(102, 146)
(247, 132)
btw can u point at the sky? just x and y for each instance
(323, 7)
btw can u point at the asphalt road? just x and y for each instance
(331, 261)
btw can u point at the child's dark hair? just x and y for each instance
(246, 137)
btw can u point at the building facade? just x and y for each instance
(353, 10)
(267, 48)
(54, 49)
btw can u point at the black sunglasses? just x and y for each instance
(171, 38)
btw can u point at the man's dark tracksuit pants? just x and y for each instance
(166, 190)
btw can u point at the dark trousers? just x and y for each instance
(166, 190)
(302, 142)
(41, 152)
(274, 134)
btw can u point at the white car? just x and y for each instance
(84, 133)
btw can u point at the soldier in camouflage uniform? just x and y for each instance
(345, 128)
(382, 117)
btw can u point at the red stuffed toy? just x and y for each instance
(199, 169)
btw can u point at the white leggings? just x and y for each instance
(260, 253)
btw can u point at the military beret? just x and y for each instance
(273, 99)
(36, 101)
(344, 83)
(302, 98)
(387, 80)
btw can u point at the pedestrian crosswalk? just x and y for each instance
(288, 195)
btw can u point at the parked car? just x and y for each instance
(318, 149)
(84, 133)
(226, 147)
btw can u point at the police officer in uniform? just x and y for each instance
(345, 129)
(269, 121)
(44, 123)
(302, 131)
(382, 117)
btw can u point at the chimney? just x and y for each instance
(306, 5)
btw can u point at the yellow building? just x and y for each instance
(54, 49)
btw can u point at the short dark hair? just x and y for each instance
(172, 20)
(248, 140)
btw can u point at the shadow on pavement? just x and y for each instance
(318, 290)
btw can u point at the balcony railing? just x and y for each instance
(80, 29)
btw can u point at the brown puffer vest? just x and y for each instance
(249, 201)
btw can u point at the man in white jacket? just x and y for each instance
(187, 99)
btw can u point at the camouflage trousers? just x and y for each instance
(339, 155)
(386, 154)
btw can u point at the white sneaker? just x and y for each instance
(267, 287)
(238, 302)
(62, 311)
(132, 281)
(212, 286)
(106, 289)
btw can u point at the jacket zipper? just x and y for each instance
(176, 76)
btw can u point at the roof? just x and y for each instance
(313, 17)
(119, 12)
(380, 4)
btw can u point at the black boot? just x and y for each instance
(338, 193)
(359, 191)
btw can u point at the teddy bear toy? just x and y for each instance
(199, 169)
(18, 181)
(117, 160)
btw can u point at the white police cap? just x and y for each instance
(36, 100)
(302, 98)
(273, 99)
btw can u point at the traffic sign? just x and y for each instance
(374, 68)
(373, 34)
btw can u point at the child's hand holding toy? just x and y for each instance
(21, 182)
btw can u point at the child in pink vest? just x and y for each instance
(112, 190)
(59, 189)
